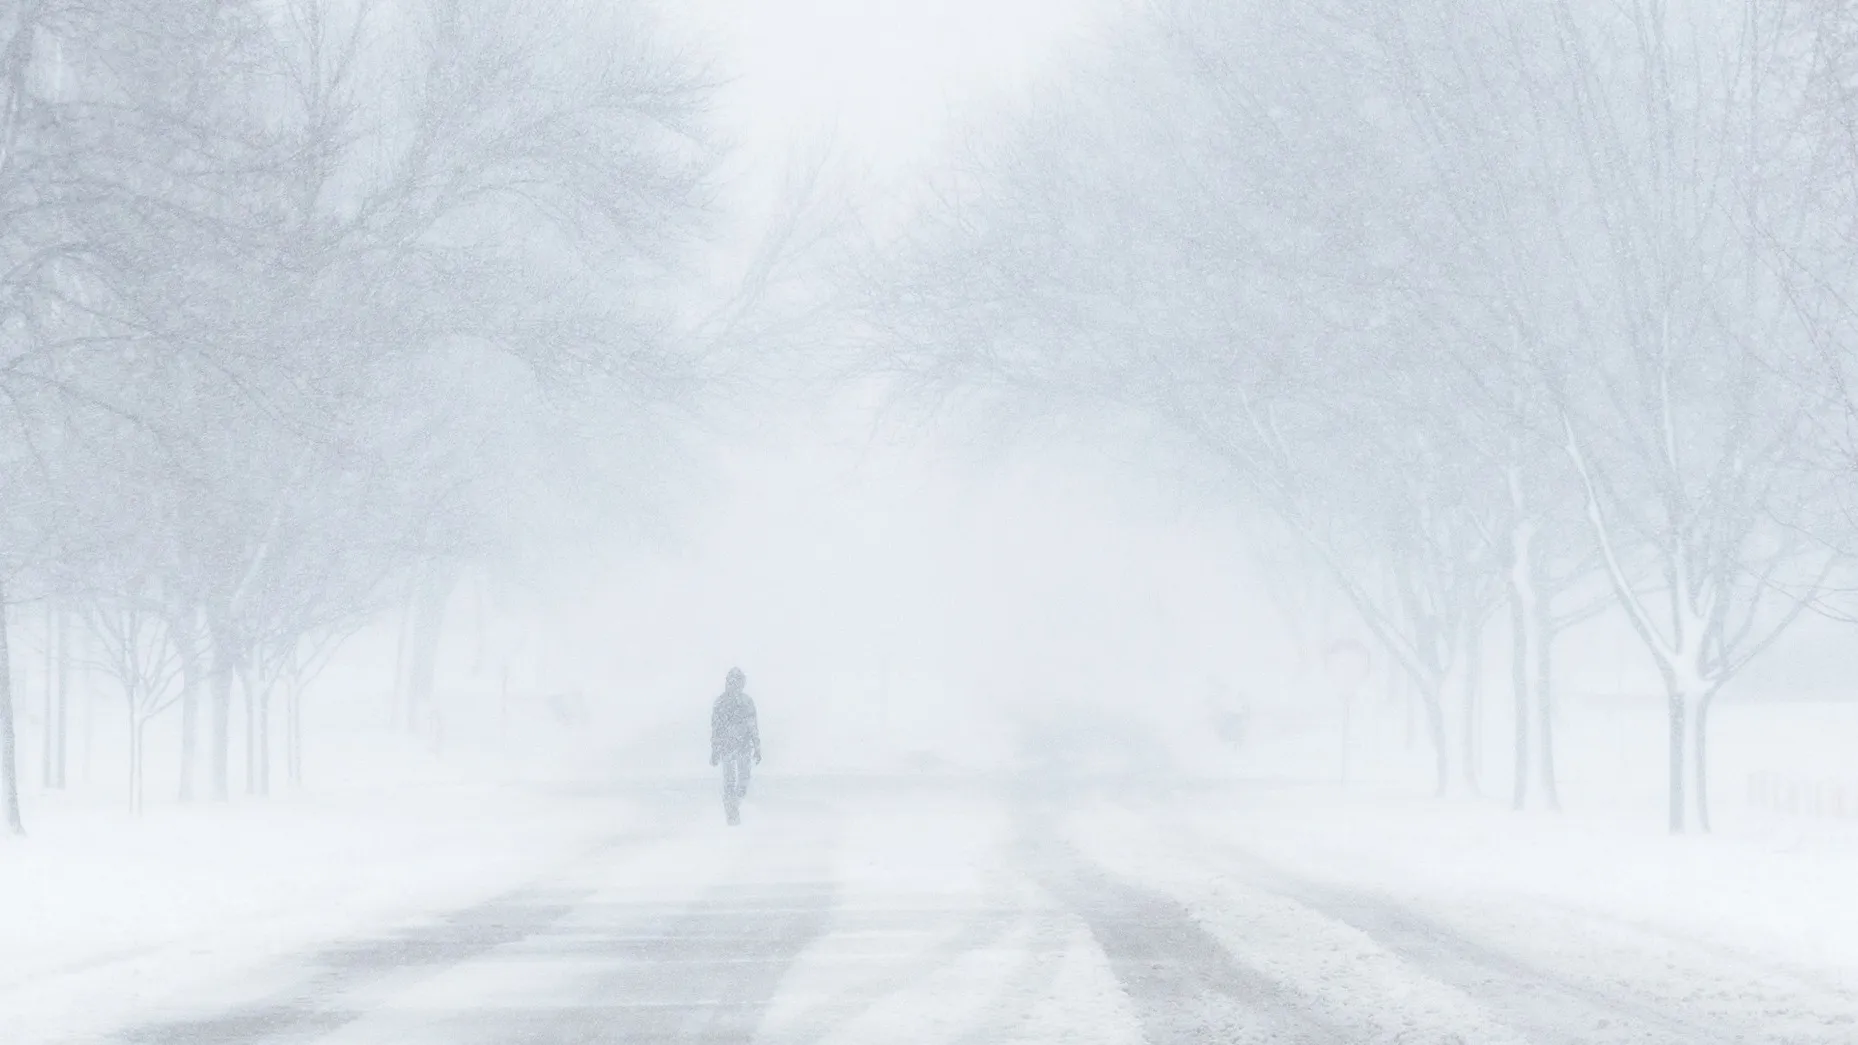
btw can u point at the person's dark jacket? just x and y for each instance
(734, 729)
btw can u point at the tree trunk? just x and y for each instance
(293, 731)
(257, 731)
(190, 718)
(263, 700)
(1525, 637)
(61, 745)
(1684, 721)
(1688, 708)
(1473, 709)
(9, 741)
(1522, 664)
(135, 759)
(222, 720)
(90, 719)
(1434, 707)
(1545, 702)
(48, 757)
(1700, 765)
(1677, 742)
(251, 731)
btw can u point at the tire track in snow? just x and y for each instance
(1549, 1009)
(1021, 991)
(999, 945)
(820, 1020)
(706, 977)
(1185, 987)
(628, 971)
(452, 940)
(1548, 1006)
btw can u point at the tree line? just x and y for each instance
(305, 305)
(1508, 314)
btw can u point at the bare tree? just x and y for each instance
(1179, 243)
(1460, 263)
(1683, 438)
(137, 653)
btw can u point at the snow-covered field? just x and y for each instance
(1482, 922)
(104, 914)
(945, 909)
(104, 917)
(1793, 904)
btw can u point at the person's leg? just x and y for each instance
(730, 795)
(745, 764)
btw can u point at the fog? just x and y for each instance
(840, 521)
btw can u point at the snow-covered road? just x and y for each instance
(861, 914)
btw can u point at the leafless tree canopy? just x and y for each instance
(1517, 304)
(306, 304)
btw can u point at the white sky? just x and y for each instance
(884, 74)
(833, 564)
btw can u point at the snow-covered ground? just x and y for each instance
(893, 913)
(103, 914)
(1412, 916)
(939, 934)
(1256, 895)
(1794, 903)
(849, 910)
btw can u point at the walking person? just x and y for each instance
(735, 740)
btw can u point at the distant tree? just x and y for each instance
(137, 653)
(242, 237)
(1421, 275)
(1179, 242)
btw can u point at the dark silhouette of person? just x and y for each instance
(735, 740)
